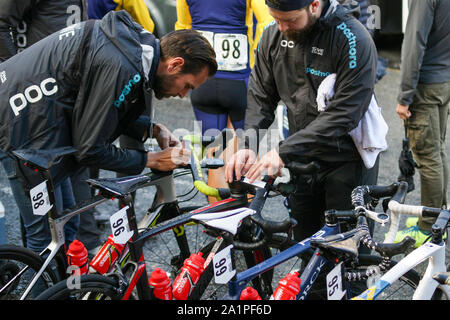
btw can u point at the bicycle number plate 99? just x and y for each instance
(223, 266)
(40, 200)
(119, 226)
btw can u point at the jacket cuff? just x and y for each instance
(141, 129)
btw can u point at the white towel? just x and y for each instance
(370, 134)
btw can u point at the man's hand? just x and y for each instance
(270, 164)
(403, 112)
(168, 158)
(239, 164)
(164, 137)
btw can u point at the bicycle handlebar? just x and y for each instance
(269, 227)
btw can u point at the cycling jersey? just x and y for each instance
(228, 25)
(292, 72)
(83, 87)
(136, 8)
(216, 100)
(31, 20)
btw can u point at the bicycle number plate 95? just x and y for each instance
(40, 200)
(223, 266)
(335, 290)
(119, 226)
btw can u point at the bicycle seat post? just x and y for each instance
(136, 248)
(57, 234)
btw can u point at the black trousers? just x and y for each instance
(88, 232)
(330, 188)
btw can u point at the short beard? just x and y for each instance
(299, 36)
(162, 85)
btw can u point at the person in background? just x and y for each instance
(221, 101)
(423, 104)
(136, 8)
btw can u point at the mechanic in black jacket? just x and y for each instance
(87, 84)
(23, 23)
(309, 40)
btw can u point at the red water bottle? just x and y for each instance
(160, 282)
(250, 294)
(288, 287)
(77, 255)
(106, 256)
(188, 277)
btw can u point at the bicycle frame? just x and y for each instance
(435, 253)
(55, 249)
(165, 200)
(315, 265)
(139, 278)
(165, 194)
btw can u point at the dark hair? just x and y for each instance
(192, 47)
(288, 5)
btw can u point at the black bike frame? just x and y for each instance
(139, 279)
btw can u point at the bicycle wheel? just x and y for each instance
(169, 249)
(402, 289)
(89, 287)
(18, 266)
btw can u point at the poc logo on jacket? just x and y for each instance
(126, 90)
(351, 43)
(32, 94)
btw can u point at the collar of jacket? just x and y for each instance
(150, 56)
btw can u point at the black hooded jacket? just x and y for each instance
(82, 86)
(292, 72)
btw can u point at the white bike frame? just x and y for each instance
(434, 253)
(427, 285)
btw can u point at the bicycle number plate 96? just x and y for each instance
(223, 266)
(119, 226)
(40, 200)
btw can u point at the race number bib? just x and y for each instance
(40, 200)
(231, 49)
(223, 266)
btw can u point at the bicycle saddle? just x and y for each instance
(225, 220)
(342, 244)
(43, 158)
(119, 186)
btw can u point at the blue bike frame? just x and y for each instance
(315, 265)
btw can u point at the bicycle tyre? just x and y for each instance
(13, 259)
(90, 287)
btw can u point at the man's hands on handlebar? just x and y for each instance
(172, 154)
(244, 162)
